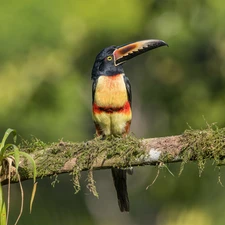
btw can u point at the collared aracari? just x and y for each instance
(111, 99)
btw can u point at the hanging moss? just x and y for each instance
(122, 150)
(200, 145)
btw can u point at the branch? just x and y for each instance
(69, 157)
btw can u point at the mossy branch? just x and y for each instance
(69, 157)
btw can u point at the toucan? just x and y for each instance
(112, 100)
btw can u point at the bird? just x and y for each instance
(112, 100)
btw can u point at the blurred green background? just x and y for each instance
(47, 50)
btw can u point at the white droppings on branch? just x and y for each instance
(153, 155)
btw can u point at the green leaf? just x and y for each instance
(33, 195)
(5, 147)
(2, 208)
(34, 175)
(6, 135)
(16, 156)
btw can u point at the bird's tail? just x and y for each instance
(120, 182)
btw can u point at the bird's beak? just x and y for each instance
(128, 51)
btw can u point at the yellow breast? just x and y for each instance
(111, 91)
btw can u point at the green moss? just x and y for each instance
(166, 157)
(24, 173)
(203, 144)
(34, 144)
(122, 150)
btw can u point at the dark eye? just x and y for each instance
(109, 58)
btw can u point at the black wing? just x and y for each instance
(94, 84)
(128, 87)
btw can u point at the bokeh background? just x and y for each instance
(47, 49)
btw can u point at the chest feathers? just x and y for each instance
(111, 92)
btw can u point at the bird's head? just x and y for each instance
(109, 61)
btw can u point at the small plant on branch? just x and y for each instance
(10, 155)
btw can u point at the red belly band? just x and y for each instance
(124, 109)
